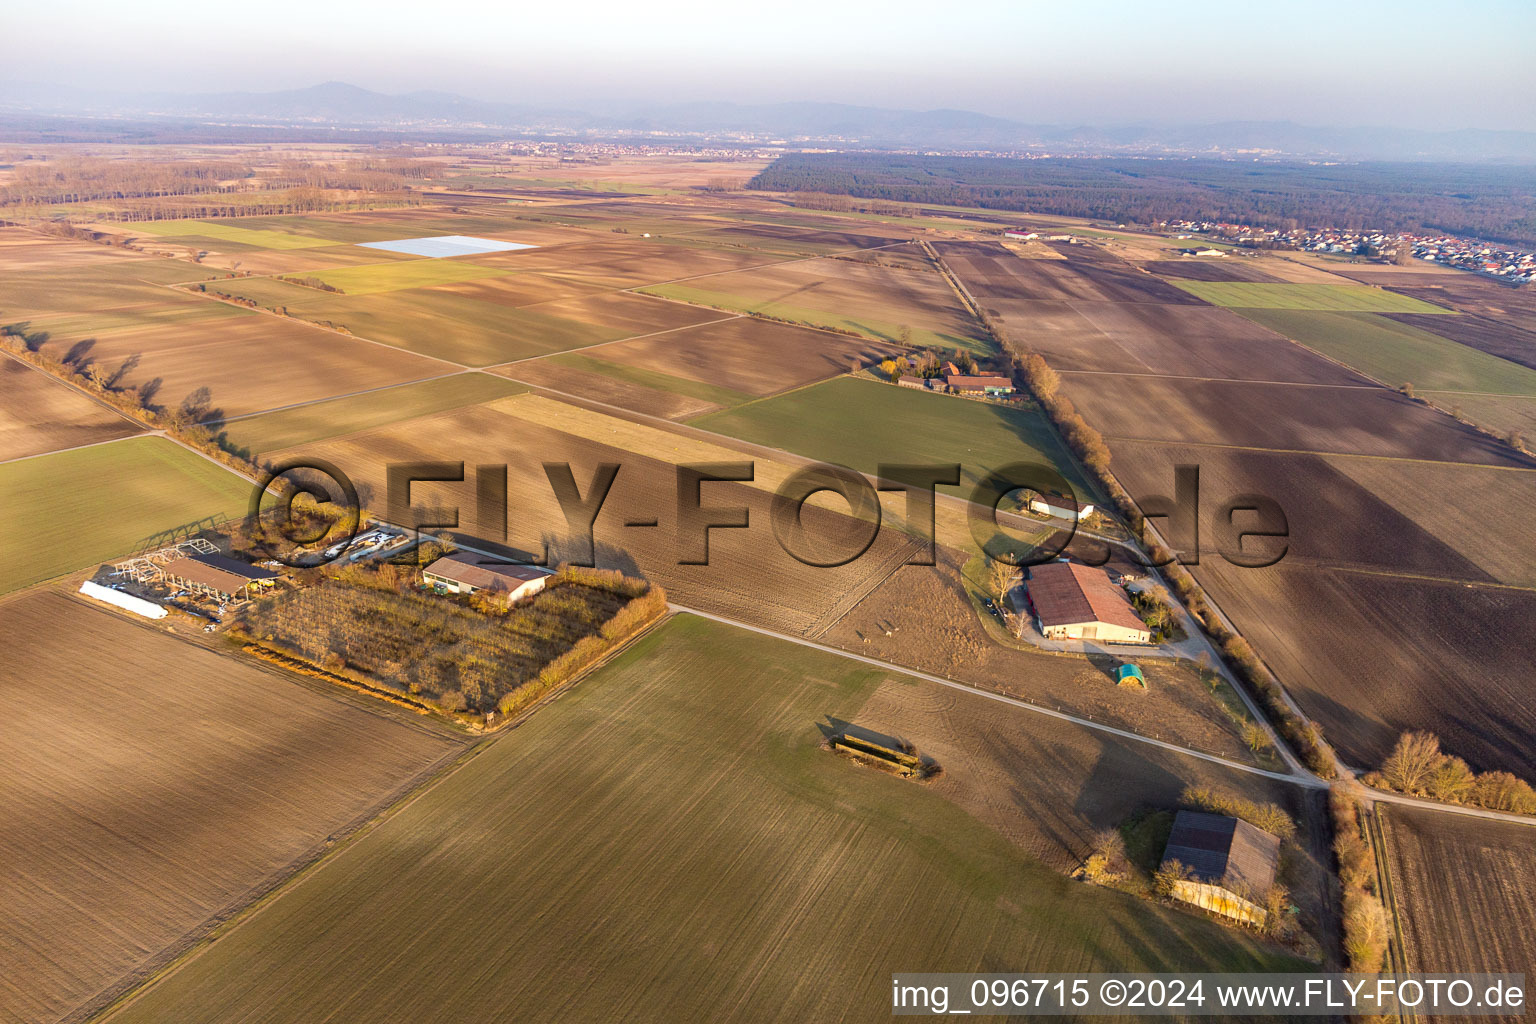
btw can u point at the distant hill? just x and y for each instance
(340, 105)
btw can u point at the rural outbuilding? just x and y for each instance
(1060, 506)
(217, 576)
(1230, 864)
(986, 384)
(466, 574)
(1130, 675)
(1078, 602)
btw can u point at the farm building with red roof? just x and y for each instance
(1078, 602)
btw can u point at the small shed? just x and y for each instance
(1130, 675)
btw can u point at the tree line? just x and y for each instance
(1492, 203)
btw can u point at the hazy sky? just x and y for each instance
(1435, 65)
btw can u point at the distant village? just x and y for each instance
(1511, 265)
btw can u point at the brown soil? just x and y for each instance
(154, 787)
(41, 414)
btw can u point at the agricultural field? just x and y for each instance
(621, 261)
(687, 832)
(698, 395)
(1369, 654)
(391, 277)
(154, 787)
(635, 314)
(797, 240)
(1442, 520)
(1502, 414)
(1257, 414)
(735, 359)
(1179, 341)
(1495, 337)
(316, 421)
(432, 322)
(1460, 886)
(1197, 269)
(248, 363)
(862, 423)
(994, 275)
(1323, 297)
(225, 231)
(1395, 353)
(41, 414)
(110, 284)
(22, 250)
(596, 381)
(910, 307)
(70, 510)
(1478, 296)
(748, 575)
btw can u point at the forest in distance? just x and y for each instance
(1495, 203)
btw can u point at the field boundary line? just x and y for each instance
(126, 988)
(446, 768)
(258, 308)
(1398, 949)
(62, 382)
(1236, 380)
(81, 447)
(437, 774)
(616, 341)
(1305, 781)
(334, 398)
(1305, 451)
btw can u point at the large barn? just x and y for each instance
(1231, 864)
(465, 574)
(1078, 602)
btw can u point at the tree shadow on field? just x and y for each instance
(567, 548)
(79, 355)
(32, 340)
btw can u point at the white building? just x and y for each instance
(1059, 506)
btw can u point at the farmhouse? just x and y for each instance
(1202, 252)
(1021, 233)
(962, 384)
(217, 576)
(908, 381)
(1231, 864)
(1078, 602)
(1060, 506)
(466, 574)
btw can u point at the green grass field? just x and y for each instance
(1337, 298)
(390, 277)
(272, 431)
(869, 328)
(1396, 353)
(73, 509)
(669, 842)
(229, 232)
(654, 379)
(861, 423)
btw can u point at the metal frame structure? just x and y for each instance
(150, 566)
